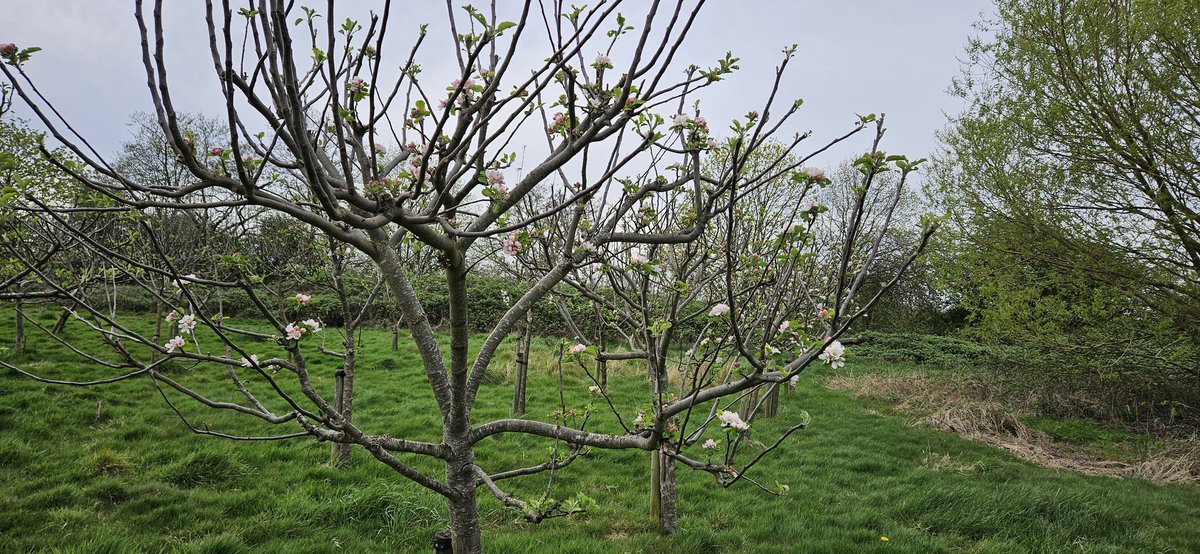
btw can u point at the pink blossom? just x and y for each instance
(719, 310)
(679, 119)
(834, 355)
(495, 177)
(357, 84)
(577, 349)
(176, 343)
(252, 362)
(603, 61)
(293, 331)
(511, 245)
(216, 151)
(709, 444)
(302, 298)
(822, 313)
(8, 49)
(783, 327)
(640, 419)
(701, 122)
(172, 316)
(594, 389)
(314, 325)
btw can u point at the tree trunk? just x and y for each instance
(396, 336)
(771, 406)
(662, 468)
(663, 509)
(64, 317)
(465, 531)
(749, 402)
(518, 406)
(343, 396)
(19, 342)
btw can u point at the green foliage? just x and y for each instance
(1071, 178)
(941, 351)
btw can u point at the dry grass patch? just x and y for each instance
(965, 408)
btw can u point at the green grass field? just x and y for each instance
(137, 481)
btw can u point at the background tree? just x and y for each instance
(1073, 179)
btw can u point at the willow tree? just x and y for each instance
(309, 101)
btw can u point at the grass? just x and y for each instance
(137, 481)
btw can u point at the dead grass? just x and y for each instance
(965, 408)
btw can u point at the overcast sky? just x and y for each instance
(854, 56)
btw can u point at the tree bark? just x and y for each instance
(771, 406)
(61, 324)
(19, 341)
(465, 532)
(518, 405)
(396, 336)
(663, 508)
(343, 396)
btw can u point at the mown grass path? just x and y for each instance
(136, 481)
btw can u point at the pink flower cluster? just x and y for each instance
(511, 245)
(174, 344)
(556, 123)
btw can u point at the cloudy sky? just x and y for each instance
(854, 56)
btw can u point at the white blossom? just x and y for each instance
(733, 421)
(834, 355)
(187, 323)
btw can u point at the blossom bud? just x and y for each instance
(8, 50)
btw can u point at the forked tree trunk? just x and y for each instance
(61, 324)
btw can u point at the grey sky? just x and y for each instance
(861, 56)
